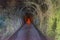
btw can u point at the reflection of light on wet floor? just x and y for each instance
(28, 33)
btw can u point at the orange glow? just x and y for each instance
(28, 21)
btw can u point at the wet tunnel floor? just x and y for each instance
(27, 32)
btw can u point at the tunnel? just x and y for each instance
(23, 20)
(28, 30)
